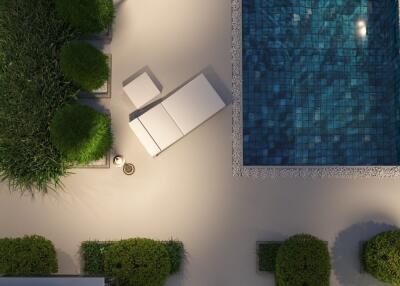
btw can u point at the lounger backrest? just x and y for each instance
(193, 104)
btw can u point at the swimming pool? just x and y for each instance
(320, 83)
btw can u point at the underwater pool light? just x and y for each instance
(361, 28)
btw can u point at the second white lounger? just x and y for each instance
(180, 113)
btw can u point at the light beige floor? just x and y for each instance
(188, 192)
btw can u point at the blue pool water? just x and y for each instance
(321, 82)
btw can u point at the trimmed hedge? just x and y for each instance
(81, 133)
(28, 256)
(93, 255)
(176, 253)
(303, 260)
(267, 253)
(84, 65)
(87, 16)
(381, 257)
(138, 262)
(32, 88)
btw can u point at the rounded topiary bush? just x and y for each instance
(138, 262)
(381, 257)
(84, 65)
(303, 260)
(81, 133)
(87, 16)
(28, 256)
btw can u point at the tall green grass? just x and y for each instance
(32, 88)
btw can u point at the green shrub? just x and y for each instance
(93, 253)
(27, 256)
(81, 133)
(87, 16)
(32, 88)
(303, 260)
(381, 257)
(84, 65)
(176, 253)
(267, 253)
(138, 262)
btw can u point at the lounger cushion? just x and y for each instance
(144, 137)
(193, 104)
(141, 90)
(161, 126)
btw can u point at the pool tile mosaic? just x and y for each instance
(320, 82)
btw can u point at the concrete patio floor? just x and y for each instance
(188, 192)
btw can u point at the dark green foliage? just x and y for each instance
(32, 88)
(267, 253)
(138, 262)
(87, 16)
(81, 133)
(303, 260)
(92, 253)
(27, 256)
(84, 65)
(176, 253)
(381, 257)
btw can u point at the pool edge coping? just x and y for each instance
(239, 170)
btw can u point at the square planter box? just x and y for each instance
(268, 242)
(105, 90)
(103, 163)
(259, 245)
(360, 249)
(105, 36)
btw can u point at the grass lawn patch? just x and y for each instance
(32, 89)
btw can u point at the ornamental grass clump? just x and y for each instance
(84, 65)
(81, 134)
(381, 257)
(87, 16)
(138, 262)
(303, 260)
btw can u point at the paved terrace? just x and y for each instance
(189, 192)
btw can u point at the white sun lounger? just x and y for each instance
(176, 116)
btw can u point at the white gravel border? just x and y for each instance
(277, 172)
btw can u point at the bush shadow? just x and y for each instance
(66, 264)
(346, 253)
